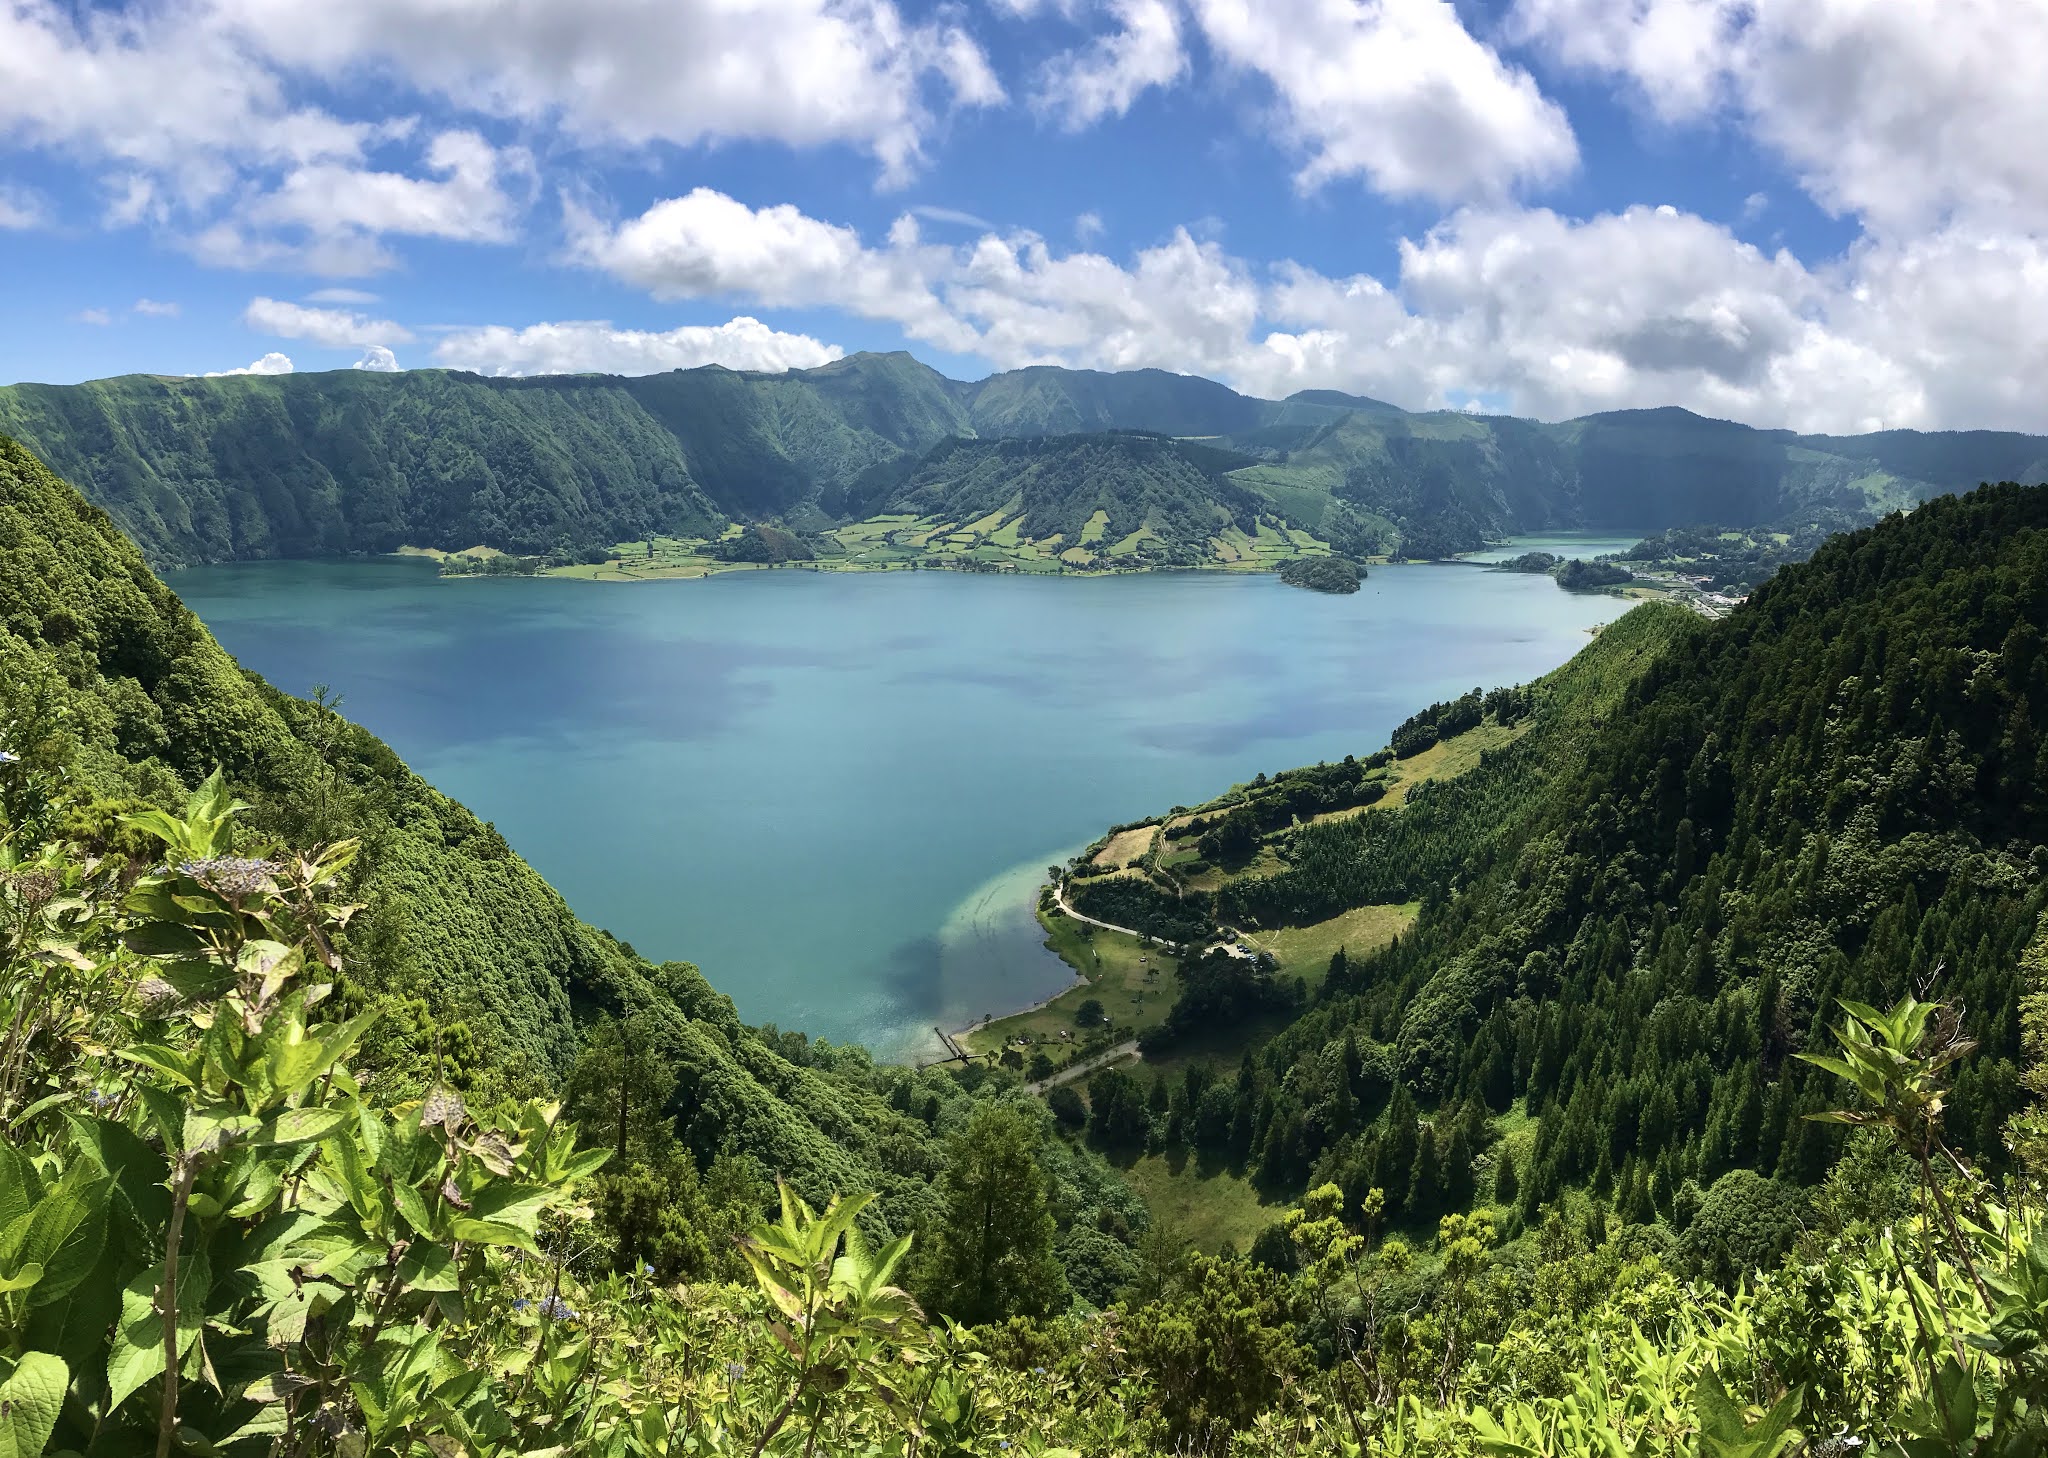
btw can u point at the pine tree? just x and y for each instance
(1505, 1187)
(990, 1256)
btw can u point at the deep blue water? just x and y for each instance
(836, 792)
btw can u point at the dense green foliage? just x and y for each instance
(760, 542)
(1176, 491)
(268, 1191)
(1578, 575)
(1136, 903)
(351, 461)
(1735, 559)
(217, 1236)
(1322, 574)
(475, 963)
(1637, 913)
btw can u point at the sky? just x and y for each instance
(1829, 215)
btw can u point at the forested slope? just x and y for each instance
(479, 967)
(1636, 914)
(348, 461)
(1168, 499)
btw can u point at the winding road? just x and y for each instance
(1087, 1065)
(1059, 897)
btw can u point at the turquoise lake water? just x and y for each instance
(1585, 545)
(837, 793)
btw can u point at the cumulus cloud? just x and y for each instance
(1397, 92)
(708, 245)
(1523, 308)
(1081, 87)
(334, 328)
(596, 347)
(379, 360)
(464, 200)
(801, 72)
(271, 364)
(1904, 114)
(217, 123)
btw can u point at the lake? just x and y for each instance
(837, 793)
(1584, 545)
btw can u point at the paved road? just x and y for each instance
(1087, 1065)
(1059, 896)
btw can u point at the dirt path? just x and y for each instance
(1087, 1065)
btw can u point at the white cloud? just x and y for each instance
(215, 122)
(1106, 77)
(157, 309)
(950, 215)
(333, 328)
(1088, 227)
(465, 201)
(168, 89)
(341, 296)
(1525, 309)
(1395, 91)
(1656, 307)
(379, 360)
(708, 245)
(595, 346)
(99, 317)
(271, 364)
(1903, 113)
(801, 72)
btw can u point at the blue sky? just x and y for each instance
(1828, 214)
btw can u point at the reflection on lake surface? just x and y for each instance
(836, 792)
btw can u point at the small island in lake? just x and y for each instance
(1531, 562)
(1581, 576)
(1322, 574)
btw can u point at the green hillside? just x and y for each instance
(114, 691)
(198, 470)
(1087, 500)
(1548, 1190)
(1047, 400)
(1651, 886)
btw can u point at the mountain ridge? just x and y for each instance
(340, 462)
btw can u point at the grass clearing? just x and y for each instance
(1208, 1209)
(1127, 846)
(1135, 985)
(1305, 951)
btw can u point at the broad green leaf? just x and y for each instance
(138, 1350)
(491, 1232)
(163, 939)
(305, 1126)
(428, 1267)
(63, 1234)
(29, 1403)
(19, 1185)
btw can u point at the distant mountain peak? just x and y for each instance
(1342, 401)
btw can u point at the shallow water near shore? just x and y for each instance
(837, 793)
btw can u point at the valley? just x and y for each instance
(1049, 729)
(678, 757)
(1528, 944)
